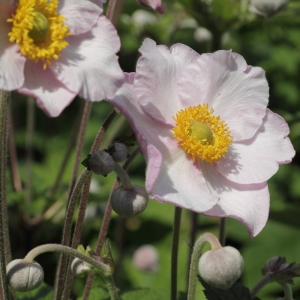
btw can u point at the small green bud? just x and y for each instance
(23, 276)
(119, 152)
(268, 8)
(129, 202)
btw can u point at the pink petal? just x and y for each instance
(247, 203)
(180, 182)
(89, 64)
(157, 72)
(80, 16)
(51, 95)
(257, 159)
(11, 61)
(237, 92)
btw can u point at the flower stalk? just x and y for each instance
(174, 256)
(197, 250)
(4, 237)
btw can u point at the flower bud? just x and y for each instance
(268, 8)
(145, 258)
(221, 267)
(23, 276)
(101, 163)
(120, 153)
(153, 4)
(79, 268)
(129, 202)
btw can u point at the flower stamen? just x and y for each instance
(201, 134)
(39, 30)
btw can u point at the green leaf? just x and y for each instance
(146, 294)
(43, 292)
(98, 293)
(236, 292)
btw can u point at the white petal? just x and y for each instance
(180, 181)
(156, 81)
(247, 203)
(80, 16)
(51, 95)
(257, 159)
(89, 64)
(237, 92)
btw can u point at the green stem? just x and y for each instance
(197, 250)
(265, 280)
(174, 256)
(288, 292)
(104, 269)
(124, 178)
(4, 236)
(222, 235)
(109, 281)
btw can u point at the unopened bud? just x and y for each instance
(120, 152)
(24, 276)
(129, 202)
(153, 4)
(79, 268)
(221, 267)
(101, 163)
(268, 8)
(145, 258)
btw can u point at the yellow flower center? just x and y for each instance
(201, 134)
(39, 30)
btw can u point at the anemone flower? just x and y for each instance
(54, 50)
(202, 124)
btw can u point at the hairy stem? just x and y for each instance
(174, 256)
(4, 236)
(265, 280)
(197, 250)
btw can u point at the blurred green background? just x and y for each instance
(206, 26)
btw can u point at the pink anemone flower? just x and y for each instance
(54, 50)
(203, 125)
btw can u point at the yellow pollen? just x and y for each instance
(201, 134)
(39, 30)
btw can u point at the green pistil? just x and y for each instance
(40, 28)
(201, 132)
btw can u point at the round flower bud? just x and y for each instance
(101, 163)
(23, 276)
(145, 258)
(120, 153)
(129, 202)
(221, 267)
(79, 268)
(268, 8)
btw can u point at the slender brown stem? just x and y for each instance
(77, 234)
(70, 147)
(174, 256)
(62, 265)
(13, 157)
(105, 224)
(4, 237)
(103, 129)
(80, 141)
(29, 150)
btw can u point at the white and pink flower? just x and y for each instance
(153, 4)
(203, 125)
(54, 62)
